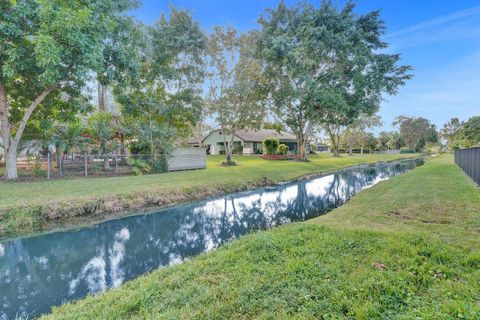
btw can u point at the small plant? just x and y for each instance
(140, 167)
(406, 150)
(38, 170)
(229, 163)
(282, 149)
(270, 145)
(159, 165)
(238, 149)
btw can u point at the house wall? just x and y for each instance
(214, 141)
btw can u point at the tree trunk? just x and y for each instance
(361, 150)
(302, 148)
(11, 163)
(11, 145)
(106, 163)
(9, 149)
(335, 144)
(102, 97)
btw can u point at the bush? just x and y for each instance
(140, 167)
(258, 151)
(238, 149)
(433, 147)
(282, 149)
(406, 150)
(159, 166)
(270, 145)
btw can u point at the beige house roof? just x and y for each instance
(255, 135)
(262, 134)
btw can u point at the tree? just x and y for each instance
(356, 133)
(65, 138)
(450, 131)
(234, 78)
(471, 131)
(283, 49)
(326, 66)
(394, 140)
(370, 142)
(416, 132)
(102, 131)
(46, 46)
(382, 140)
(358, 73)
(165, 101)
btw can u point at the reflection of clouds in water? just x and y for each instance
(174, 258)
(313, 187)
(94, 272)
(42, 262)
(117, 254)
(2, 250)
(94, 275)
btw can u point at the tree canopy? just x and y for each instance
(326, 66)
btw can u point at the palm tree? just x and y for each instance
(65, 138)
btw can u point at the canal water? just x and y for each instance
(43, 271)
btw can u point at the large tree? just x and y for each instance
(359, 72)
(450, 131)
(471, 132)
(416, 132)
(47, 46)
(165, 101)
(284, 46)
(357, 132)
(327, 66)
(235, 75)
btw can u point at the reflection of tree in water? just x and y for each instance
(39, 272)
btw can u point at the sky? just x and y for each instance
(439, 39)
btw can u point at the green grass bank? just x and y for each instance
(27, 207)
(407, 248)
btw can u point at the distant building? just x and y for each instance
(249, 140)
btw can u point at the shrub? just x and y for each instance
(406, 150)
(258, 151)
(270, 145)
(282, 149)
(159, 166)
(140, 167)
(229, 163)
(238, 149)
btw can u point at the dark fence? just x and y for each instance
(469, 161)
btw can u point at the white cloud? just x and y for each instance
(464, 24)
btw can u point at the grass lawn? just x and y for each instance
(407, 248)
(250, 168)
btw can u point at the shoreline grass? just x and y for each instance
(407, 248)
(28, 207)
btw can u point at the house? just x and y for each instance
(320, 145)
(250, 141)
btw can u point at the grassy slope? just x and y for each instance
(406, 248)
(249, 169)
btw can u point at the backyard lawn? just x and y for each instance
(407, 248)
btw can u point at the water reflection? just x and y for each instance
(42, 271)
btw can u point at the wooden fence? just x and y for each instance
(469, 161)
(188, 159)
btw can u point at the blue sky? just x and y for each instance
(439, 39)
